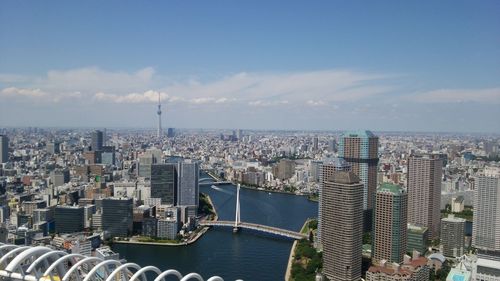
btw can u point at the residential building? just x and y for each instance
(418, 238)
(424, 192)
(390, 233)
(486, 220)
(342, 222)
(360, 149)
(453, 236)
(327, 168)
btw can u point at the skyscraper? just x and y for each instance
(486, 220)
(360, 149)
(342, 222)
(327, 168)
(97, 140)
(390, 233)
(453, 236)
(117, 216)
(188, 189)
(424, 192)
(69, 219)
(4, 149)
(164, 182)
(159, 117)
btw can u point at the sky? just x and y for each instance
(290, 65)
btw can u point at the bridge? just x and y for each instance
(209, 181)
(258, 227)
(40, 263)
(237, 224)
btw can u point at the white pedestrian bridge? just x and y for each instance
(41, 263)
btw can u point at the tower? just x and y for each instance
(342, 223)
(97, 140)
(327, 168)
(424, 192)
(4, 149)
(360, 149)
(390, 238)
(486, 225)
(159, 117)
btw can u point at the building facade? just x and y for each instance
(188, 189)
(390, 235)
(486, 220)
(424, 192)
(453, 236)
(360, 149)
(69, 219)
(342, 222)
(97, 140)
(326, 169)
(4, 149)
(117, 216)
(164, 182)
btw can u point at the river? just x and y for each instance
(247, 255)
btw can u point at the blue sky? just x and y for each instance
(380, 65)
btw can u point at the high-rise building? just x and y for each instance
(342, 222)
(285, 169)
(53, 147)
(188, 189)
(424, 192)
(327, 168)
(69, 219)
(315, 144)
(453, 236)
(360, 149)
(108, 155)
(390, 235)
(239, 134)
(164, 182)
(97, 140)
(418, 239)
(170, 132)
(486, 220)
(4, 149)
(117, 216)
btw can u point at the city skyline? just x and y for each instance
(423, 68)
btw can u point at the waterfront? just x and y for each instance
(247, 255)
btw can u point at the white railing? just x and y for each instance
(45, 264)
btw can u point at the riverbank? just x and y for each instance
(288, 273)
(197, 234)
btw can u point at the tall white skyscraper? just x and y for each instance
(486, 221)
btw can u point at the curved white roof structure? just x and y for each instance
(45, 264)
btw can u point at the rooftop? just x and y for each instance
(392, 188)
(358, 134)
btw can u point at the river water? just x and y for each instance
(247, 255)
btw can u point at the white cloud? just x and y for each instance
(315, 103)
(314, 88)
(491, 95)
(145, 97)
(21, 92)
